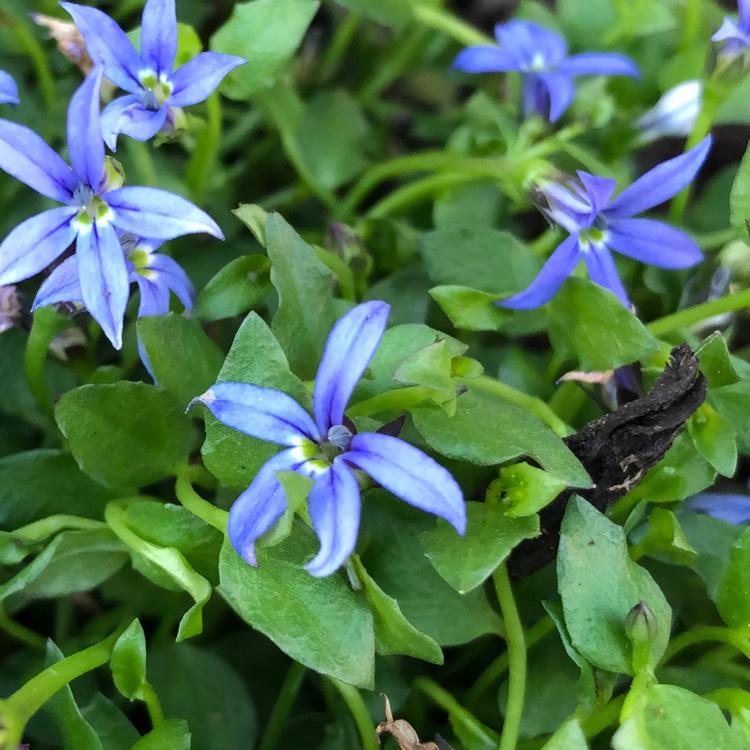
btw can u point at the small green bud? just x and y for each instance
(640, 624)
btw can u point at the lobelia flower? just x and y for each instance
(154, 88)
(541, 57)
(93, 212)
(325, 449)
(736, 36)
(674, 113)
(8, 89)
(598, 225)
(731, 508)
(155, 274)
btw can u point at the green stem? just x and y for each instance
(282, 707)
(39, 60)
(441, 20)
(342, 38)
(153, 705)
(202, 165)
(603, 718)
(690, 24)
(706, 633)
(28, 699)
(535, 405)
(144, 162)
(567, 400)
(692, 315)
(359, 712)
(46, 325)
(515, 638)
(199, 507)
(40, 530)
(20, 632)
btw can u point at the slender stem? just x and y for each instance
(43, 529)
(202, 165)
(21, 632)
(692, 315)
(144, 162)
(690, 24)
(603, 718)
(516, 659)
(441, 20)
(567, 400)
(29, 698)
(39, 61)
(282, 707)
(706, 633)
(341, 40)
(535, 405)
(359, 712)
(153, 705)
(199, 507)
(46, 325)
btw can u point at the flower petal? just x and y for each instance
(127, 115)
(731, 508)
(654, 242)
(560, 265)
(8, 89)
(602, 270)
(159, 35)
(259, 506)
(334, 507)
(25, 156)
(561, 90)
(198, 78)
(484, 58)
(528, 42)
(154, 296)
(35, 243)
(261, 412)
(349, 349)
(108, 45)
(660, 183)
(744, 8)
(731, 32)
(150, 212)
(85, 131)
(408, 473)
(61, 285)
(171, 273)
(104, 279)
(598, 189)
(534, 96)
(674, 113)
(599, 64)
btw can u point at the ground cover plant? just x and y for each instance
(374, 371)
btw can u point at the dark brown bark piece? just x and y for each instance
(618, 449)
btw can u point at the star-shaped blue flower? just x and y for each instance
(730, 508)
(154, 87)
(93, 212)
(598, 225)
(736, 36)
(326, 449)
(8, 89)
(541, 57)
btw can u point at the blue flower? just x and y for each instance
(326, 449)
(8, 89)
(598, 225)
(155, 274)
(154, 87)
(541, 57)
(674, 114)
(92, 214)
(736, 36)
(731, 508)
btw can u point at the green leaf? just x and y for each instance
(41, 483)
(672, 718)
(467, 562)
(733, 403)
(739, 199)
(396, 13)
(394, 634)
(525, 489)
(172, 734)
(599, 584)
(184, 360)
(568, 737)
(267, 34)
(731, 598)
(73, 561)
(200, 685)
(305, 314)
(716, 361)
(331, 137)
(469, 309)
(128, 662)
(238, 287)
(589, 325)
(255, 357)
(319, 622)
(76, 732)
(715, 439)
(112, 727)
(486, 431)
(124, 434)
(664, 536)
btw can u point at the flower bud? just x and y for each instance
(640, 624)
(674, 114)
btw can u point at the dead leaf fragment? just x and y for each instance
(401, 731)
